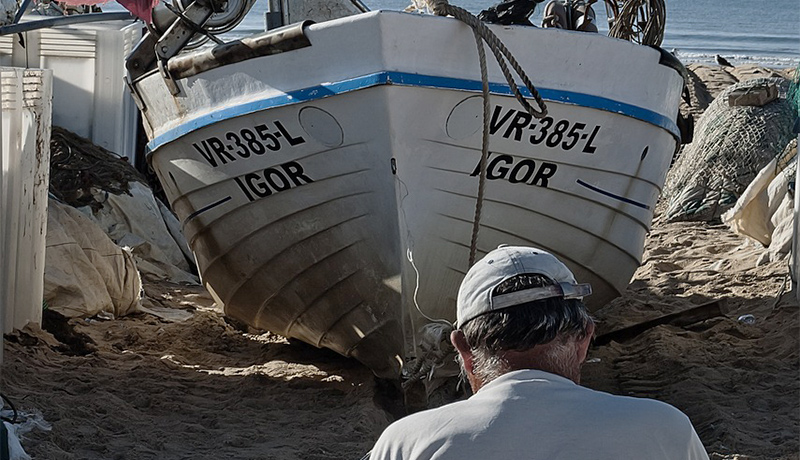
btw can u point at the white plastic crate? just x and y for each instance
(25, 154)
(88, 63)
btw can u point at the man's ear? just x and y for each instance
(462, 347)
(583, 345)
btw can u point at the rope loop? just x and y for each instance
(501, 54)
(433, 355)
(504, 59)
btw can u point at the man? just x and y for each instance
(522, 335)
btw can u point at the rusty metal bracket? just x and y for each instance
(137, 99)
(181, 31)
(168, 78)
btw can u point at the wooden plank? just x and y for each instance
(682, 318)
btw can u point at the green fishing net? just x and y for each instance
(732, 143)
(794, 90)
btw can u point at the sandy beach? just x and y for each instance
(180, 381)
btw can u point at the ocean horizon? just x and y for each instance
(752, 32)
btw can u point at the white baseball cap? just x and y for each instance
(475, 294)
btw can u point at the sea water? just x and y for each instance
(742, 31)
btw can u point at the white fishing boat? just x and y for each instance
(327, 174)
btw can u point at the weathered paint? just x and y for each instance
(310, 238)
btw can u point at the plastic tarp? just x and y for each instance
(139, 222)
(85, 272)
(26, 422)
(765, 211)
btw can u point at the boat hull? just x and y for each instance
(341, 213)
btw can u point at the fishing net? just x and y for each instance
(794, 92)
(731, 145)
(77, 166)
(787, 159)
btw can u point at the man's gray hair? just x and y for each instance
(522, 327)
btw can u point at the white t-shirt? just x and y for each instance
(531, 414)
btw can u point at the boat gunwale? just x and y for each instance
(385, 78)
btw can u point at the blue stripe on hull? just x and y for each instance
(410, 79)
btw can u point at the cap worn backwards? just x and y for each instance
(475, 294)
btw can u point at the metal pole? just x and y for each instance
(21, 10)
(360, 5)
(274, 16)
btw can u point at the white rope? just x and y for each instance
(410, 257)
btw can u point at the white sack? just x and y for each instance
(750, 215)
(85, 272)
(765, 211)
(136, 221)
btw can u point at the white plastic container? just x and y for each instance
(88, 63)
(26, 125)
